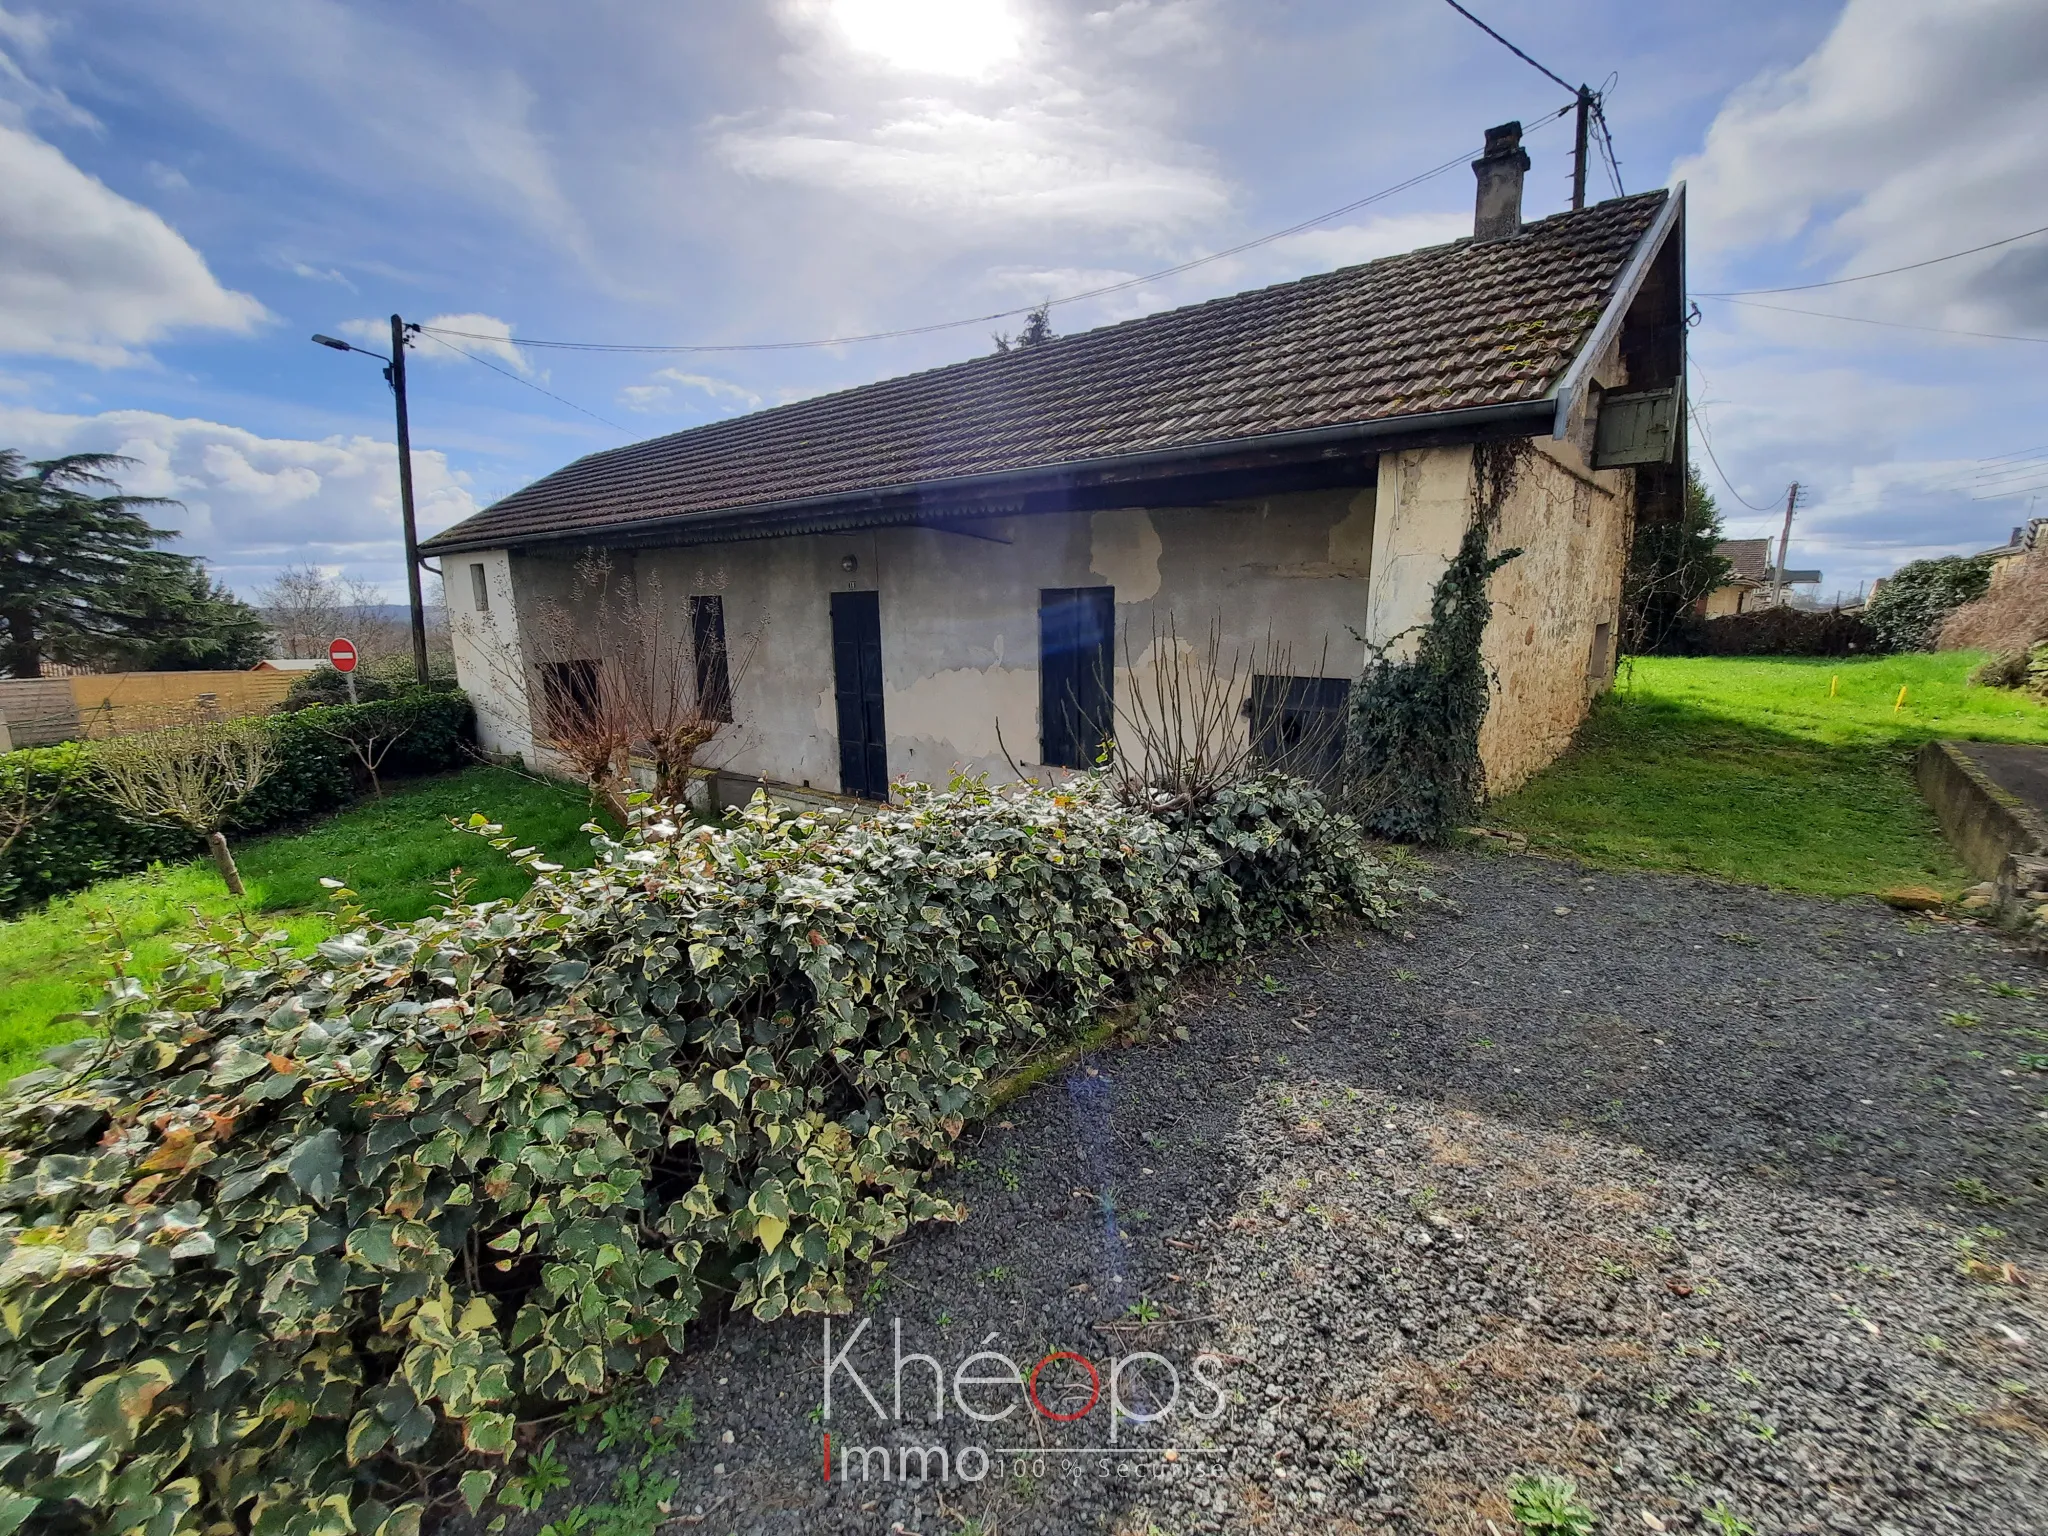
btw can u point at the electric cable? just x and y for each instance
(508, 373)
(1896, 325)
(1864, 277)
(1511, 48)
(1001, 314)
(1708, 443)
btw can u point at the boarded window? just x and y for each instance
(1298, 724)
(479, 589)
(1076, 665)
(570, 691)
(714, 677)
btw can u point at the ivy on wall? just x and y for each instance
(1411, 751)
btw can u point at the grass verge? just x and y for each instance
(391, 852)
(1788, 772)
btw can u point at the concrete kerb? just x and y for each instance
(2000, 837)
(1986, 824)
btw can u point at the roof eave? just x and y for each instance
(1626, 288)
(930, 497)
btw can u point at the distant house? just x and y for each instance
(993, 545)
(2007, 558)
(1751, 580)
(289, 664)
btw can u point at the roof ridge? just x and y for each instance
(1440, 327)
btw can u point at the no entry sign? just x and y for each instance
(343, 654)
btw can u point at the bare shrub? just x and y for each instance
(2009, 617)
(370, 734)
(190, 776)
(1195, 719)
(620, 670)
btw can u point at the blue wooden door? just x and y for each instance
(1076, 665)
(857, 689)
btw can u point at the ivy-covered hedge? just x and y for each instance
(87, 838)
(299, 1229)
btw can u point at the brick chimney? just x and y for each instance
(1497, 211)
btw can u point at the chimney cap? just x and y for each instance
(1503, 141)
(1497, 210)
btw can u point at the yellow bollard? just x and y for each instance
(1834, 685)
(1899, 703)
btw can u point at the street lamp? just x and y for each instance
(394, 375)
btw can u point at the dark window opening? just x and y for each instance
(1298, 724)
(714, 678)
(1076, 671)
(570, 689)
(857, 691)
(1600, 663)
(479, 588)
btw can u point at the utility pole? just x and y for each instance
(1784, 545)
(1579, 148)
(396, 374)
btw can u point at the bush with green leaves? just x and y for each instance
(1909, 609)
(84, 837)
(295, 1245)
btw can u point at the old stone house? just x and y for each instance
(978, 557)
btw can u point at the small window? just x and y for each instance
(1600, 661)
(714, 677)
(569, 689)
(1298, 724)
(479, 588)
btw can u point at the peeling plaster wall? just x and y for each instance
(1545, 646)
(487, 651)
(1291, 573)
(960, 617)
(1425, 504)
(1550, 604)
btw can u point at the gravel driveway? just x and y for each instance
(1728, 1205)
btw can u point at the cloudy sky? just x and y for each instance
(186, 192)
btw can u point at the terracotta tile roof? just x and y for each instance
(1464, 324)
(1754, 564)
(1750, 557)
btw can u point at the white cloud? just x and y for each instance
(969, 38)
(25, 35)
(483, 335)
(1908, 133)
(88, 275)
(983, 171)
(1040, 129)
(661, 393)
(253, 504)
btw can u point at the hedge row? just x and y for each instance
(299, 1229)
(1777, 632)
(87, 838)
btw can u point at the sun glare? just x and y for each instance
(944, 37)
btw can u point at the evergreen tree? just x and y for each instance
(82, 579)
(1671, 567)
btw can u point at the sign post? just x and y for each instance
(341, 654)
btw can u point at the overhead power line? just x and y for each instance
(1895, 325)
(1002, 314)
(1511, 48)
(1714, 459)
(1864, 277)
(516, 379)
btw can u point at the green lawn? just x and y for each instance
(390, 852)
(1754, 770)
